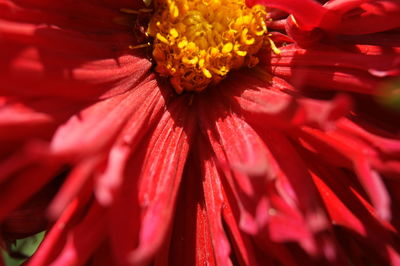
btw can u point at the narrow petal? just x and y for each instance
(160, 178)
(329, 79)
(45, 252)
(133, 133)
(361, 157)
(214, 201)
(362, 57)
(268, 105)
(72, 186)
(56, 236)
(348, 208)
(364, 17)
(191, 237)
(242, 242)
(309, 14)
(83, 238)
(243, 148)
(85, 129)
(375, 188)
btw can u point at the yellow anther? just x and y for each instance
(201, 62)
(191, 46)
(173, 9)
(221, 71)
(227, 48)
(247, 19)
(245, 37)
(241, 53)
(214, 51)
(162, 38)
(273, 47)
(182, 43)
(206, 73)
(190, 61)
(174, 33)
(197, 42)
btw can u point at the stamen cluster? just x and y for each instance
(197, 42)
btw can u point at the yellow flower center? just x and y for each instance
(197, 42)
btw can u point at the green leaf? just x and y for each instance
(26, 247)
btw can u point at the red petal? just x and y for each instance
(349, 209)
(363, 17)
(307, 217)
(241, 241)
(308, 13)
(46, 250)
(55, 60)
(214, 200)
(83, 239)
(87, 132)
(86, 16)
(55, 238)
(160, 177)
(244, 150)
(266, 105)
(140, 123)
(72, 186)
(102, 256)
(375, 188)
(67, 74)
(191, 237)
(362, 157)
(363, 57)
(24, 184)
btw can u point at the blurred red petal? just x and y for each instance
(308, 13)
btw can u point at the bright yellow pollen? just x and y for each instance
(197, 42)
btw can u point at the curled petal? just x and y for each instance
(308, 13)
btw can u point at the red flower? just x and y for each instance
(295, 161)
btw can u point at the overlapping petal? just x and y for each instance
(292, 162)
